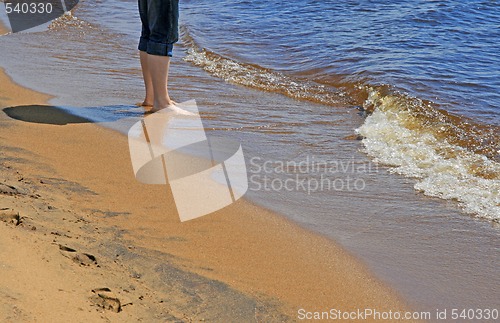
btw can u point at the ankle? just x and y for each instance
(162, 103)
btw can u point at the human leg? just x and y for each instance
(158, 70)
(159, 33)
(143, 47)
(148, 82)
(163, 18)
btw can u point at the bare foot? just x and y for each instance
(172, 107)
(144, 104)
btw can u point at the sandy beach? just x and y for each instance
(371, 139)
(93, 244)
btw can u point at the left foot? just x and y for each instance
(144, 104)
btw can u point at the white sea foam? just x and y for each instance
(440, 169)
(261, 78)
(68, 19)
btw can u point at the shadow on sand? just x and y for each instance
(46, 114)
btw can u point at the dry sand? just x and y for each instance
(74, 188)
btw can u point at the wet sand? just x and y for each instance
(3, 29)
(85, 223)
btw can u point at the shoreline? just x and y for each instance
(240, 246)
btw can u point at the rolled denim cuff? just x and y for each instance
(143, 44)
(159, 49)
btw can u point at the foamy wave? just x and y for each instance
(395, 136)
(451, 157)
(261, 78)
(68, 19)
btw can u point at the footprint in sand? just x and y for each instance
(80, 258)
(10, 216)
(106, 299)
(9, 189)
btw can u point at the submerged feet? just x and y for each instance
(169, 105)
(172, 108)
(144, 104)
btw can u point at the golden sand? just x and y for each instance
(84, 179)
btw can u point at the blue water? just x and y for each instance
(443, 51)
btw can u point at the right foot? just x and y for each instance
(172, 106)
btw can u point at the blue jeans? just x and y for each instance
(160, 26)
